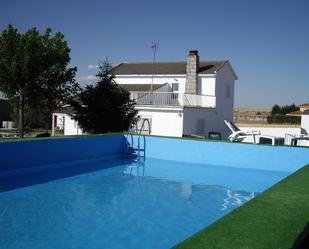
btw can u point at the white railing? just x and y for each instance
(156, 98)
(199, 100)
(173, 99)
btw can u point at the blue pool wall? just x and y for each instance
(30, 153)
(280, 158)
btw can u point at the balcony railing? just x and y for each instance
(173, 99)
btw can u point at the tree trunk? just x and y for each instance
(21, 115)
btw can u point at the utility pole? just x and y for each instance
(155, 47)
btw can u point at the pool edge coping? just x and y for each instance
(147, 135)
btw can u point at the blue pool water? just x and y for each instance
(120, 203)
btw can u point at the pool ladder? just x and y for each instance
(139, 151)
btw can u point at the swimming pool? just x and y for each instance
(106, 200)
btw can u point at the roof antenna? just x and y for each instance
(154, 47)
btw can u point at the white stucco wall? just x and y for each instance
(224, 104)
(207, 85)
(212, 122)
(71, 127)
(58, 121)
(305, 124)
(273, 131)
(276, 132)
(213, 118)
(157, 79)
(164, 121)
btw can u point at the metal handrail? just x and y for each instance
(142, 126)
(129, 133)
(139, 134)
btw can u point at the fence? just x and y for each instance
(173, 99)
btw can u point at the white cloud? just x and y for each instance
(91, 66)
(87, 78)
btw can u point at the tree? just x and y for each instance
(284, 109)
(275, 110)
(34, 72)
(278, 114)
(289, 108)
(104, 107)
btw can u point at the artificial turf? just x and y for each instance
(272, 220)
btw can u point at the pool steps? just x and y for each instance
(137, 152)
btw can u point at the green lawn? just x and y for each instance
(272, 220)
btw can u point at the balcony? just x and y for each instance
(169, 99)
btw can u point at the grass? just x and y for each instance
(272, 220)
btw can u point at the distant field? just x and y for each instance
(256, 116)
(244, 123)
(252, 111)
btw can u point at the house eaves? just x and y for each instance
(227, 62)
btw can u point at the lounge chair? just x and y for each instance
(239, 135)
(293, 139)
(268, 139)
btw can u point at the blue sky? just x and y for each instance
(266, 41)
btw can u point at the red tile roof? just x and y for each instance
(304, 105)
(295, 113)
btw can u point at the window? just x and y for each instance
(174, 96)
(200, 127)
(55, 120)
(62, 123)
(228, 91)
(175, 87)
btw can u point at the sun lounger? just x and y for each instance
(268, 139)
(239, 135)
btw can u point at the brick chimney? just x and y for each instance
(191, 73)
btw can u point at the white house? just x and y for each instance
(305, 122)
(62, 121)
(183, 98)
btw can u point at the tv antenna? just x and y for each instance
(154, 47)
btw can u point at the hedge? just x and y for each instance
(283, 119)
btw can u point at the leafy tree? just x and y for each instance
(278, 115)
(289, 108)
(275, 110)
(104, 107)
(34, 71)
(284, 109)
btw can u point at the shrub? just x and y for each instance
(284, 109)
(283, 119)
(45, 134)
